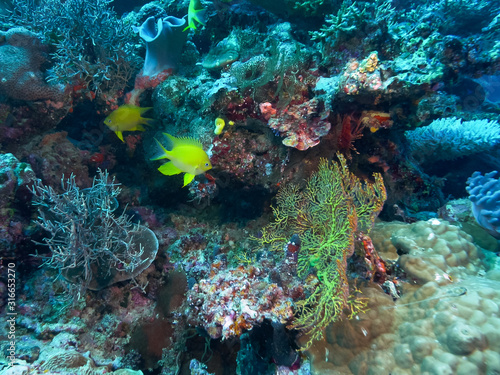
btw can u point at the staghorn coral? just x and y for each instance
(355, 20)
(326, 216)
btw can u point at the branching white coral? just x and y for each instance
(451, 138)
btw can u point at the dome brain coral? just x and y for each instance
(451, 330)
(438, 327)
(432, 250)
(439, 330)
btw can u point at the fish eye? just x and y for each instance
(207, 164)
(109, 121)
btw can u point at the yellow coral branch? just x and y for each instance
(326, 215)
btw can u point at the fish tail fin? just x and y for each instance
(166, 153)
(169, 169)
(148, 121)
(201, 16)
(188, 177)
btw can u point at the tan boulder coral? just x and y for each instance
(448, 325)
(434, 330)
(432, 250)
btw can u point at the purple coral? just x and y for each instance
(485, 197)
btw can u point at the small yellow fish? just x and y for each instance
(186, 156)
(194, 15)
(127, 118)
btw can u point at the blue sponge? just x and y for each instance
(484, 194)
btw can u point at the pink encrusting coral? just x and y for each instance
(248, 157)
(302, 124)
(364, 76)
(234, 300)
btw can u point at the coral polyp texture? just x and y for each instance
(334, 206)
(432, 330)
(22, 56)
(432, 250)
(232, 301)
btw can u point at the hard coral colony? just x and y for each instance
(341, 214)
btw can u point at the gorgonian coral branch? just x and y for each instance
(327, 216)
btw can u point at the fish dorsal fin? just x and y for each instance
(141, 110)
(182, 141)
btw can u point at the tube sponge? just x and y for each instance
(164, 41)
(484, 194)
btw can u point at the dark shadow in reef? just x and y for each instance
(154, 335)
(124, 6)
(85, 127)
(456, 172)
(241, 203)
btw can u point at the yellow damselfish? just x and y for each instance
(195, 15)
(127, 118)
(186, 156)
